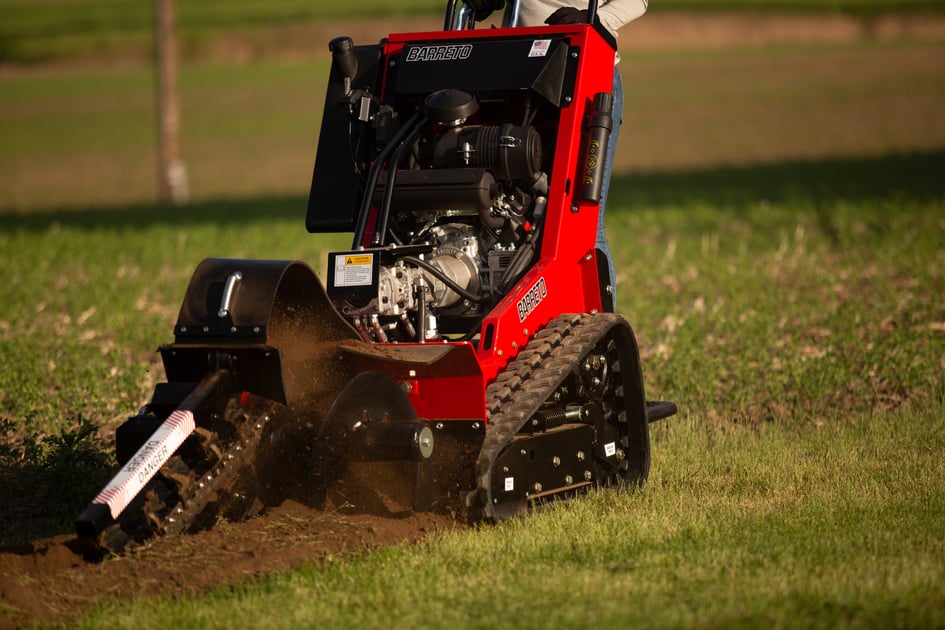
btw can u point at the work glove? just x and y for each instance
(568, 15)
(571, 15)
(483, 8)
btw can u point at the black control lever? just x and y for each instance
(342, 51)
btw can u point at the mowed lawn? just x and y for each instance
(778, 222)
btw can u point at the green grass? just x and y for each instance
(838, 526)
(46, 479)
(90, 295)
(86, 137)
(820, 284)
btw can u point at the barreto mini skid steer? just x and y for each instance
(463, 354)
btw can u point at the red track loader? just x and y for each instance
(462, 355)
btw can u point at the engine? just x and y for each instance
(456, 220)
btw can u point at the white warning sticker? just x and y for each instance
(539, 48)
(353, 270)
(610, 448)
(509, 484)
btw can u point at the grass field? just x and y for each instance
(803, 334)
(836, 527)
(778, 223)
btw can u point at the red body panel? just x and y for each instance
(564, 279)
(441, 380)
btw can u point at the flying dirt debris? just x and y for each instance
(464, 358)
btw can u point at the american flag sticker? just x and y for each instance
(539, 48)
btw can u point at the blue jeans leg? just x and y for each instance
(601, 242)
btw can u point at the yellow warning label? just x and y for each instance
(359, 259)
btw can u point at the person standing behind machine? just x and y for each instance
(611, 16)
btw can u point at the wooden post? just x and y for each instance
(172, 173)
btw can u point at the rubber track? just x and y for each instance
(529, 380)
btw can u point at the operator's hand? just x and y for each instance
(483, 8)
(572, 15)
(568, 15)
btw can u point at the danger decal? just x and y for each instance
(532, 299)
(134, 475)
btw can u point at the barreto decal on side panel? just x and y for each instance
(532, 299)
(447, 52)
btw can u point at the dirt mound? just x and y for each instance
(51, 580)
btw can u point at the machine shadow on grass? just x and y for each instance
(811, 182)
(817, 182)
